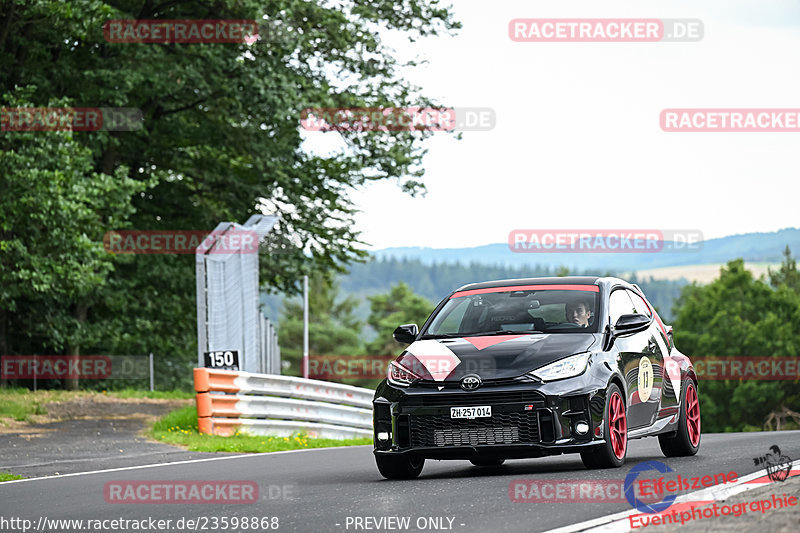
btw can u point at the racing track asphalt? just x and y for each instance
(321, 488)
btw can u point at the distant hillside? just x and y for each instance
(752, 247)
(701, 273)
(438, 280)
(433, 273)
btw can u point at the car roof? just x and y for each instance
(570, 280)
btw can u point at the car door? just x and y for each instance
(671, 375)
(632, 350)
(656, 350)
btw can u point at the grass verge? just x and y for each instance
(180, 428)
(21, 404)
(158, 394)
(5, 476)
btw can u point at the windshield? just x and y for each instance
(507, 310)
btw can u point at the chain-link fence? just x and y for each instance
(228, 317)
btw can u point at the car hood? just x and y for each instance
(490, 357)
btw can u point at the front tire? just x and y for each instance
(685, 441)
(399, 467)
(611, 454)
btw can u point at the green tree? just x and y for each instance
(221, 136)
(737, 315)
(333, 328)
(220, 141)
(54, 210)
(387, 311)
(786, 274)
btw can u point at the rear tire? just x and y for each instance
(487, 461)
(610, 454)
(399, 467)
(685, 441)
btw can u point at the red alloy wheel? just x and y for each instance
(618, 425)
(693, 415)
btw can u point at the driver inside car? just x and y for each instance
(578, 313)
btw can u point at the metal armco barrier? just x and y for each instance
(262, 404)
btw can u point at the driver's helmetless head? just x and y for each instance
(578, 313)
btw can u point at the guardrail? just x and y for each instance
(265, 404)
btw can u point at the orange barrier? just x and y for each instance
(224, 427)
(218, 380)
(216, 405)
(279, 405)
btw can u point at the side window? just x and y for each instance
(640, 305)
(619, 304)
(661, 330)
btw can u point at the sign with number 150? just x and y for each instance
(228, 359)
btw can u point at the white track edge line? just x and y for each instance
(189, 461)
(716, 492)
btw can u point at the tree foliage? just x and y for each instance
(334, 329)
(53, 212)
(220, 141)
(332, 326)
(387, 311)
(734, 316)
(786, 274)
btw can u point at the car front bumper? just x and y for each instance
(528, 419)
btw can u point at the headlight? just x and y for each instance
(400, 376)
(565, 368)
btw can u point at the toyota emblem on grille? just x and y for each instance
(470, 382)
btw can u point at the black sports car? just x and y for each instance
(534, 367)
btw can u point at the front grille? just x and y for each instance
(502, 428)
(473, 398)
(458, 437)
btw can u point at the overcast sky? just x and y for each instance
(577, 142)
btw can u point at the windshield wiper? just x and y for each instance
(479, 334)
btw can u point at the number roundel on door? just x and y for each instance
(645, 384)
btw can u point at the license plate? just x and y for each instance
(483, 411)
